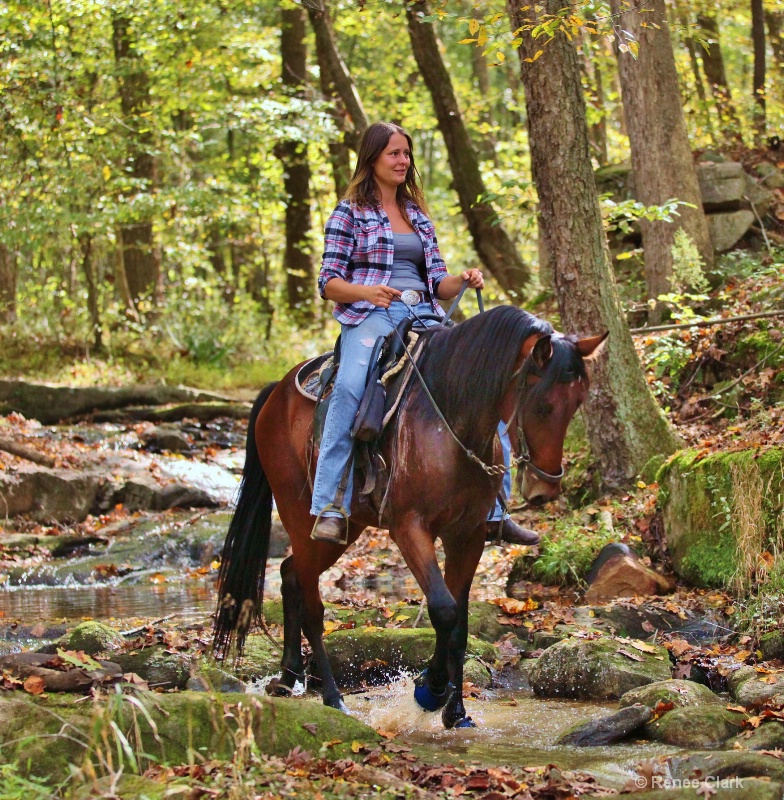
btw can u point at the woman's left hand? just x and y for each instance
(474, 277)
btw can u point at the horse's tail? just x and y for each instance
(244, 557)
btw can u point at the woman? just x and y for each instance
(381, 263)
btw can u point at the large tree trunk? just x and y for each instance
(332, 72)
(88, 267)
(597, 132)
(141, 257)
(625, 425)
(758, 85)
(716, 75)
(297, 259)
(661, 156)
(493, 245)
(7, 284)
(775, 20)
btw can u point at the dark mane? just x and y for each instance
(565, 365)
(467, 368)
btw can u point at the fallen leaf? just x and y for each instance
(34, 685)
(632, 656)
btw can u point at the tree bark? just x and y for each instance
(88, 267)
(758, 83)
(7, 284)
(597, 132)
(491, 241)
(774, 20)
(625, 425)
(297, 258)
(141, 257)
(661, 155)
(329, 60)
(716, 75)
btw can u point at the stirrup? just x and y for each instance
(342, 513)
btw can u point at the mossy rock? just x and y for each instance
(374, 655)
(749, 686)
(705, 502)
(769, 736)
(130, 787)
(90, 637)
(722, 764)
(173, 728)
(476, 672)
(593, 669)
(771, 645)
(207, 676)
(696, 727)
(260, 658)
(679, 693)
(160, 668)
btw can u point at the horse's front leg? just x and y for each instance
(462, 558)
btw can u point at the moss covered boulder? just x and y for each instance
(90, 637)
(749, 686)
(720, 512)
(374, 655)
(679, 693)
(696, 727)
(596, 669)
(43, 735)
(723, 764)
(769, 736)
(159, 667)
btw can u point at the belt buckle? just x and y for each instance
(411, 297)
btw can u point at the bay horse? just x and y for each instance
(445, 471)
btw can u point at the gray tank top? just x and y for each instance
(409, 256)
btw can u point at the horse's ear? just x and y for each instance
(542, 352)
(590, 348)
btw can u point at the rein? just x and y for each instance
(490, 469)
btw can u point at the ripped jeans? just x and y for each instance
(356, 345)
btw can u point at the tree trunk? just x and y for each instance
(7, 284)
(661, 155)
(758, 85)
(713, 66)
(328, 60)
(297, 258)
(88, 267)
(597, 132)
(625, 425)
(491, 242)
(140, 255)
(774, 20)
(481, 73)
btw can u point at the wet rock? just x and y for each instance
(47, 494)
(476, 672)
(726, 764)
(770, 176)
(771, 645)
(696, 727)
(210, 678)
(32, 732)
(165, 438)
(606, 730)
(145, 493)
(727, 228)
(624, 575)
(749, 686)
(261, 658)
(679, 693)
(633, 621)
(158, 667)
(595, 669)
(89, 637)
(366, 655)
(702, 531)
(768, 736)
(757, 195)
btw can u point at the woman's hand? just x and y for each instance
(474, 277)
(381, 296)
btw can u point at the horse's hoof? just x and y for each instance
(464, 722)
(426, 698)
(338, 705)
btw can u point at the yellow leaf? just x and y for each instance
(466, 41)
(500, 56)
(634, 48)
(402, 617)
(330, 625)
(482, 39)
(357, 746)
(473, 26)
(641, 484)
(107, 173)
(622, 256)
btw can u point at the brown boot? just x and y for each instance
(510, 532)
(330, 529)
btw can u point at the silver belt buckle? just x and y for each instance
(410, 297)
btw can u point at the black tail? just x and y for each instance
(244, 557)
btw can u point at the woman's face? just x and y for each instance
(391, 167)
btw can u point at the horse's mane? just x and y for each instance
(467, 368)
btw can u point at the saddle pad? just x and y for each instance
(308, 378)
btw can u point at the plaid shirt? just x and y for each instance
(359, 248)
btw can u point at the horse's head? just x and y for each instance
(553, 383)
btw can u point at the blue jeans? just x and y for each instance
(336, 451)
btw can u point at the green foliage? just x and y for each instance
(687, 265)
(621, 215)
(14, 786)
(567, 552)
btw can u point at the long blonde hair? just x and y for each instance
(362, 187)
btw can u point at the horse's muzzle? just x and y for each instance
(538, 492)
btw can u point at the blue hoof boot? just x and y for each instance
(426, 698)
(465, 722)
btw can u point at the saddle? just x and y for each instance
(388, 379)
